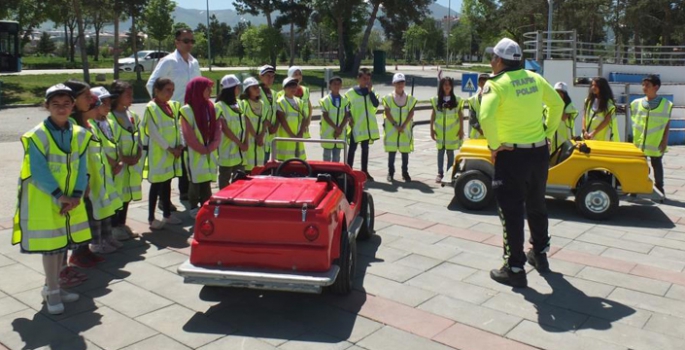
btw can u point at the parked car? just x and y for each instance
(594, 172)
(147, 60)
(289, 226)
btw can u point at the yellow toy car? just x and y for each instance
(595, 172)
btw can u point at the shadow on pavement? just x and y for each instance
(395, 185)
(277, 317)
(564, 295)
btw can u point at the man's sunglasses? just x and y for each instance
(187, 41)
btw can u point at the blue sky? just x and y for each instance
(228, 4)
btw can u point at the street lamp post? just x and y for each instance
(209, 42)
(549, 29)
(449, 29)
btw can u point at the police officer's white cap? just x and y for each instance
(59, 88)
(397, 78)
(289, 81)
(249, 82)
(561, 86)
(506, 49)
(229, 81)
(100, 92)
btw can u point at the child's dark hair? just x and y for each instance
(118, 89)
(565, 97)
(452, 103)
(246, 93)
(227, 96)
(654, 79)
(77, 87)
(160, 84)
(363, 71)
(605, 95)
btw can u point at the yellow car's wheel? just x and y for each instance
(473, 190)
(596, 200)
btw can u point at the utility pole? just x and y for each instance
(449, 30)
(209, 42)
(549, 29)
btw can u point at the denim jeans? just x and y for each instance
(331, 155)
(441, 160)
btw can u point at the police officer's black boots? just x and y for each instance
(406, 177)
(538, 261)
(390, 177)
(505, 276)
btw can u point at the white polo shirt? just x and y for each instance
(174, 67)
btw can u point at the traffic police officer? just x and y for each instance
(510, 117)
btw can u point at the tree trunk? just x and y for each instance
(82, 40)
(269, 23)
(292, 44)
(115, 56)
(72, 45)
(341, 42)
(66, 41)
(97, 46)
(134, 44)
(365, 41)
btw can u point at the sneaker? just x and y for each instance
(538, 261)
(438, 179)
(94, 257)
(69, 280)
(406, 177)
(506, 276)
(120, 234)
(83, 261)
(72, 272)
(113, 242)
(156, 225)
(390, 178)
(102, 248)
(193, 212)
(172, 220)
(368, 176)
(56, 307)
(66, 296)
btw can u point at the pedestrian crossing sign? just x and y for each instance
(469, 82)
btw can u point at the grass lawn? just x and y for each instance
(30, 89)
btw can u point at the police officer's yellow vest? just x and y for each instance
(474, 107)
(38, 224)
(108, 149)
(201, 167)
(393, 140)
(102, 194)
(363, 116)
(447, 125)
(129, 181)
(255, 154)
(270, 114)
(160, 164)
(593, 119)
(294, 118)
(649, 125)
(229, 152)
(337, 116)
(566, 128)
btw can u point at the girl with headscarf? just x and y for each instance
(202, 135)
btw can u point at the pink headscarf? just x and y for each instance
(202, 108)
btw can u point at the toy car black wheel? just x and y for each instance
(368, 213)
(596, 200)
(347, 263)
(473, 190)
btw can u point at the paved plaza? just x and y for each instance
(422, 281)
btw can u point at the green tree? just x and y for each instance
(46, 46)
(297, 15)
(415, 39)
(98, 14)
(159, 20)
(220, 34)
(235, 47)
(306, 53)
(257, 7)
(346, 18)
(262, 43)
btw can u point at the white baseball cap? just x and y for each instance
(266, 69)
(292, 70)
(506, 49)
(229, 81)
(100, 92)
(398, 77)
(249, 82)
(59, 88)
(289, 81)
(561, 86)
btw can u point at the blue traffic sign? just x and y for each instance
(469, 82)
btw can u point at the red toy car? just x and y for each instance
(289, 226)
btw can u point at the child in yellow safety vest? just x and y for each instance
(474, 109)
(397, 129)
(161, 135)
(446, 124)
(129, 177)
(267, 75)
(599, 120)
(566, 128)
(335, 110)
(50, 216)
(292, 114)
(257, 113)
(303, 93)
(234, 141)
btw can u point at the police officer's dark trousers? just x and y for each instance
(520, 181)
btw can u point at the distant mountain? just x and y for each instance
(231, 17)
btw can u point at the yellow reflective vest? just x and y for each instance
(160, 164)
(294, 117)
(270, 112)
(108, 149)
(447, 125)
(649, 125)
(337, 115)
(393, 140)
(201, 167)
(306, 96)
(594, 118)
(365, 125)
(565, 129)
(229, 152)
(38, 224)
(129, 181)
(255, 154)
(474, 110)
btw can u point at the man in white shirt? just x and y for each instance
(179, 66)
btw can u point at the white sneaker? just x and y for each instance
(113, 242)
(102, 248)
(66, 297)
(172, 220)
(193, 212)
(156, 225)
(53, 309)
(120, 234)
